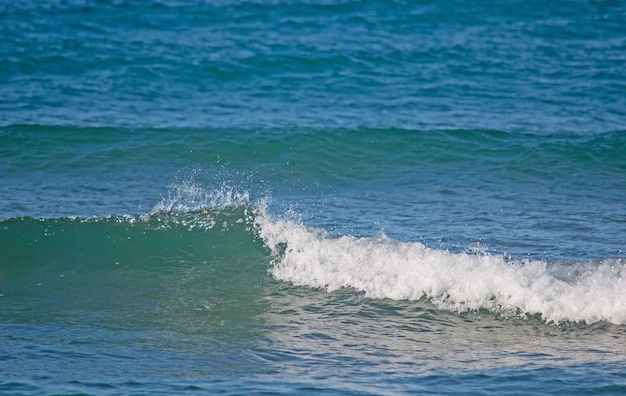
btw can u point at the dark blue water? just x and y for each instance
(312, 197)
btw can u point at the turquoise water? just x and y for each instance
(312, 197)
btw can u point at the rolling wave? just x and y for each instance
(222, 225)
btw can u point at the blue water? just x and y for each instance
(312, 197)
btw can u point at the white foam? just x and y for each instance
(384, 268)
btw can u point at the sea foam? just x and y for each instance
(384, 268)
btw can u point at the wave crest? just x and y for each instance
(384, 268)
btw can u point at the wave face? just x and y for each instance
(158, 266)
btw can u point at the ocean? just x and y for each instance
(312, 197)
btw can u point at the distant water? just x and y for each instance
(312, 197)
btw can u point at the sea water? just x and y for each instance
(335, 197)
